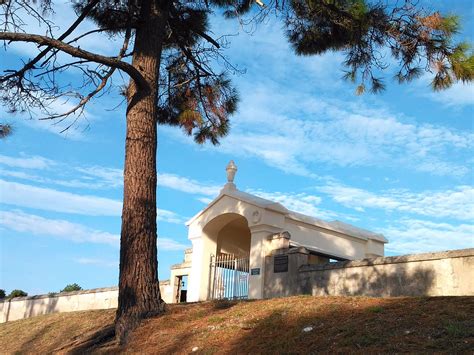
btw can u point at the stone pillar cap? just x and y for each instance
(231, 169)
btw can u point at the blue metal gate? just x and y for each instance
(229, 277)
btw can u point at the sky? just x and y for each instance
(398, 163)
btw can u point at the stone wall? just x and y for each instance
(449, 273)
(283, 284)
(99, 298)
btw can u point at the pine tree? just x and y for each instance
(173, 81)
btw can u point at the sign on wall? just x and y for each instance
(280, 263)
(255, 271)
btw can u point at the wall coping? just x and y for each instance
(184, 265)
(450, 254)
(67, 294)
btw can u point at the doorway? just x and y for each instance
(181, 283)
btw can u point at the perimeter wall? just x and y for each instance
(449, 273)
(99, 298)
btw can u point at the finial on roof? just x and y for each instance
(231, 169)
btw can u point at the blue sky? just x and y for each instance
(399, 163)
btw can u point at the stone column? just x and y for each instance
(199, 276)
(194, 279)
(258, 250)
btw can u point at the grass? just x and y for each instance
(338, 324)
(459, 329)
(375, 309)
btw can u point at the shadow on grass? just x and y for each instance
(88, 343)
(301, 325)
(30, 343)
(391, 325)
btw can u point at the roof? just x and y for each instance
(338, 226)
(230, 190)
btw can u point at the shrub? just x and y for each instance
(71, 287)
(17, 293)
(2, 294)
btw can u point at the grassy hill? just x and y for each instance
(300, 324)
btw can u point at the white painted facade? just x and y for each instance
(242, 224)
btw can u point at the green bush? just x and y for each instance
(71, 287)
(17, 293)
(2, 294)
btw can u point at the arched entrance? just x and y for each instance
(229, 261)
(234, 237)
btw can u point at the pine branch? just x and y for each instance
(77, 53)
(31, 63)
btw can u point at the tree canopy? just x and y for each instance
(195, 93)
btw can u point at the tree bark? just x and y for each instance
(139, 291)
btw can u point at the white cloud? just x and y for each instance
(109, 176)
(97, 177)
(442, 168)
(26, 162)
(300, 113)
(34, 119)
(205, 200)
(22, 195)
(171, 244)
(458, 95)
(28, 223)
(20, 175)
(298, 202)
(187, 185)
(277, 150)
(416, 236)
(102, 176)
(87, 183)
(456, 203)
(98, 262)
(21, 222)
(170, 217)
(306, 130)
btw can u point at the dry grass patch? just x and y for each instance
(332, 324)
(44, 334)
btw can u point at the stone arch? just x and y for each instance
(230, 233)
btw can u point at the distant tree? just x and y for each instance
(175, 80)
(71, 288)
(17, 293)
(2, 294)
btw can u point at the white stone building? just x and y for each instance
(233, 234)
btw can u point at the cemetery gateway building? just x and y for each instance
(239, 241)
(244, 246)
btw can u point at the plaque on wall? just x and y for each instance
(280, 263)
(255, 271)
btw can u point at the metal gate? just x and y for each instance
(229, 277)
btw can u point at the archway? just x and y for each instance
(230, 236)
(228, 233)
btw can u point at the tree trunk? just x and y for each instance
(139, 291)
